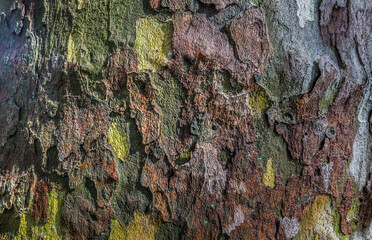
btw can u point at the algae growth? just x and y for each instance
(118, 140)
(51, 230)
(75, 42)
(321, 221)
(258, 102)
(81, 4)
(153, 42)
(142, 227)
(170, 100)
(269, 175)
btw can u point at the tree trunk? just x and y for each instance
(185, 119)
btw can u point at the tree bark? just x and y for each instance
(185, 119)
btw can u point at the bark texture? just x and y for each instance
(185, 119)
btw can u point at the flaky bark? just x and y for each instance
(185, 119)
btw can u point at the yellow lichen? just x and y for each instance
(320, 221)
(142, 227)
(81, 4)
(258, 102)
(74, 45)
(153, 42)
(185, 156)
(49, 230)
(119, 140)
(269, 175)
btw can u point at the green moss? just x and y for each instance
(119, 140)
(258, 102)
(269, 175)
(75, 42)
(153, 42)
(49, 230)
(142, 227)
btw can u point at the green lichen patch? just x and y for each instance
(169, 99)
(74, 45)
(271, 145)
(327, 99)
(49, 230)
(153, 42)
(118, 139)
(258, 102)
(354, 210)
(142, 227)
(224, 82)
(81, 4)
(269, 175)
(321, 221)
(185, 156)
(123, 16)
(168, 231)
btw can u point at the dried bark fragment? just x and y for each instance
(142, 96)
(292, 135)
(250, 38)
(195, 37)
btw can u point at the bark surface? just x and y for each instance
(185, 119)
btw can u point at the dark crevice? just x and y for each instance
(89, 184)
(321, 145)
(316, 74)
(208, 10)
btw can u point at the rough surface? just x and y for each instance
(185, 119)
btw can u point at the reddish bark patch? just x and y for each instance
(39, 208)
(345, 206)
(250, 37)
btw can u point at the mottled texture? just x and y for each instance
(185, 119)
